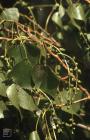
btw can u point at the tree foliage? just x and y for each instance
(44, 59)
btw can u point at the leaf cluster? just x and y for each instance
(39, 77)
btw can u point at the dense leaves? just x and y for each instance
(67, 97)
(39, 77)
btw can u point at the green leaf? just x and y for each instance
(88, 37)
(21, 74)
(1, 64)
(3, 88)
(57, 16)
(34, 136)
(50, 83)
(65, 97)
(76, 11)
(12, 94)
(26, 101)
(86, 59)
(75, 24)
(71, 41)
(17, 53)
(61, 11)
(2, 109)
(59, 35)
(20, 98)
(56, 19)
(34, 54)
(10, 14)
(38, 75)
(43, 51)
(2, 76)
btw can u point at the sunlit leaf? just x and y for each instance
(56, 18)
(12, 94)
(76, 11)
(2, 109)
(34, 136)
(3, 88)
(88, 37)
(61, 11)
(67, 97)
(10, 14)
(20, 98)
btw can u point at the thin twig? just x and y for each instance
(88, 1)
(83, 126)
(77, 101)
(47, 40)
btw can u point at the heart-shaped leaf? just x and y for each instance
(21, 74)
(56, 19)
(20, 98)
(76, 11)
